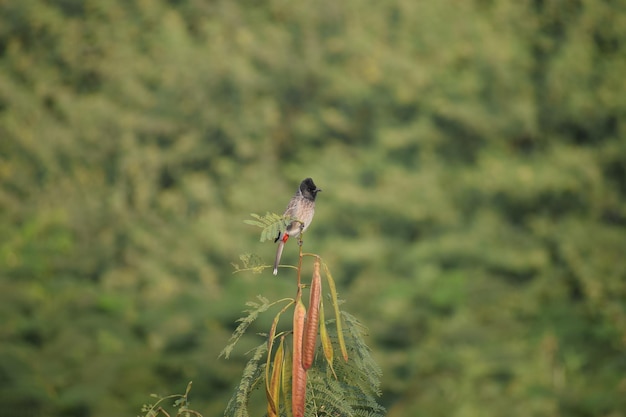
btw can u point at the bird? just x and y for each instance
(301, 207)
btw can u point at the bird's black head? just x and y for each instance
(308, 189)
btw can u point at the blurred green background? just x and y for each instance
(472, 156)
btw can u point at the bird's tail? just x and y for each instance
(279, 252)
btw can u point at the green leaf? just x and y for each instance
(272, 224)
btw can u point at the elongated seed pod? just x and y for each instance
(273, 403)
(270, 344)
(271, 407)
(312, 318)
(298, 373)
(327, 345)
(286, 380)
(333, 294)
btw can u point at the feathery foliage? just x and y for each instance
(249, 262)
(312, 385)
(352, 392)
(255, 309)
(181, 404)
(253, 375)
(364, 371)
(356, 388)
(272, 224)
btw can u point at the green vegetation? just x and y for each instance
(472, 156)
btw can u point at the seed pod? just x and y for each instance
(273, 403)
(298, 373)
(327, 345)
(286, 380)
(313, 316)
(270, 344)
(333, 294)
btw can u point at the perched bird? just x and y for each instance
(301, 207)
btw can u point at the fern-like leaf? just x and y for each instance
(272, 224)
(249, 262)
(252, 375)
(244, 322)
(355, 391)
(370, 372)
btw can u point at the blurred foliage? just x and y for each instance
(473, 161)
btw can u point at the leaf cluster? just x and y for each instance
(355, 389)
(181, 404)
(272, 224)
(256, 308)
(252, 377)
(351, 390)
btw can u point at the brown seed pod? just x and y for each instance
(313, 316)
(298, 373)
